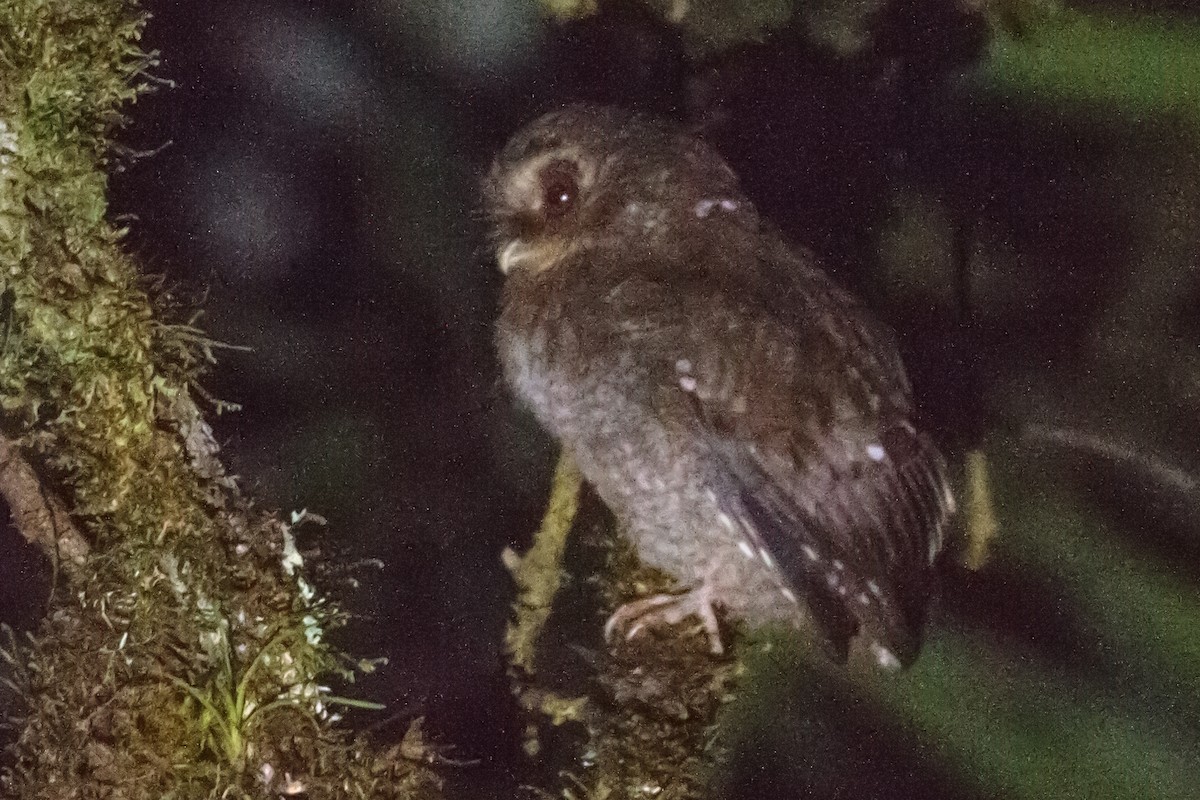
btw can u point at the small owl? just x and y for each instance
(748, 421)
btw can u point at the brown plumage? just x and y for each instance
(748, 421)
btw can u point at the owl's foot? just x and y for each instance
(668, 609)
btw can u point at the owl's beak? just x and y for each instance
(534, 256)
(512, 254)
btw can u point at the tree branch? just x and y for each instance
(38, 515)
(1154, 466)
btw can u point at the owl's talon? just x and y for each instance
(630, 615)
(667, 609)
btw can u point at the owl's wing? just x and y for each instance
(801, 398)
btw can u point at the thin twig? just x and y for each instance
(982, 523)
(538, 573)
(1158, 468)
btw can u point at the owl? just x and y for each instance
(748, 421)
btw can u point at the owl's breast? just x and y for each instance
(595, 397)
(532, 374)
(552, 369)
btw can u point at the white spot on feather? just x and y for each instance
(683, 365)
(766, 557)
(746, 549)
(873, 587)
(706, 206)
(884, 657)
(810, 553)
(787, 593)
(687, 383)
(876, 452)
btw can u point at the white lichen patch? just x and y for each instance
(705, 207)
(8, 143)
(8, 150)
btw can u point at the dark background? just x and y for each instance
(1030, 230)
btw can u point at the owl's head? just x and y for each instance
(594, 176)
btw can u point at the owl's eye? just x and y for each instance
(560, 188)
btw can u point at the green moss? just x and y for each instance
(188, 657)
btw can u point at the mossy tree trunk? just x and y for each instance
(183, 654)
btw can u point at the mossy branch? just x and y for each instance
(181, 580)
(649, 705)
(538, 574)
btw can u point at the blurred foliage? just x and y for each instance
(569, 9)
(1137, 66)
(710, 26)
(1111, 715)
